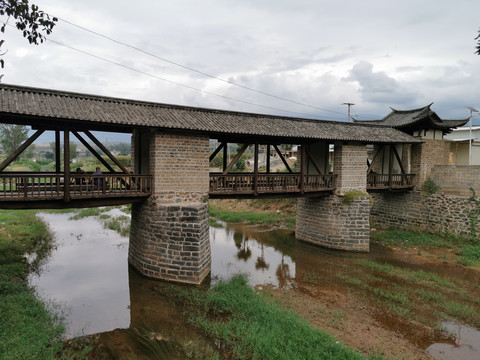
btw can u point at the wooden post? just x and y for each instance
(302, 168)
(66, 164)
(58, 161)
(268, 159)
(225, 156)
(390, 167)
(255, 171)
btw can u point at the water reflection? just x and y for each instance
(86, 274)
(266, 257)
(466, 347)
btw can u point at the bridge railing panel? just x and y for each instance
(39, 186)
(245, 183)
(388, 181)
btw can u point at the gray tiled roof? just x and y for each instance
(401, 119)
(89, 109)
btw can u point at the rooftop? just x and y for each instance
(53, 109)
(416, 119)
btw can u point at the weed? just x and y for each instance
(351, 195)
(430, 187)
(214, 223)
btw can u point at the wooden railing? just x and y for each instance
(247, 183)
(39, 186)
(390, 181)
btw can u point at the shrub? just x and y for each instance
(430, 187)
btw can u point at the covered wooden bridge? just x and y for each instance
(169, 182)
(68, 114)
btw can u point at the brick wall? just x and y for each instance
(437, 213)
(169, 237)
(180, 167)
(456, 180)
(350, 165)
(426, 155)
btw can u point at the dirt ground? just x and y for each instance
(349, 320)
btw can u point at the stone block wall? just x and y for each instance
(169, 236)
(328, 222)
(437, 213)
(170, 241)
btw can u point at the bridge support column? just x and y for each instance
(169, 237)
(339, 221)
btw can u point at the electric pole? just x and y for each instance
(349, 105)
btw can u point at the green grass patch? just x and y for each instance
(406, 239)
(214, 223)
(86, 213)
(28, 328)
(469, 255)
(267, 219)
(247, 326)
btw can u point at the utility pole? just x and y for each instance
(349, 105)
(472, 110)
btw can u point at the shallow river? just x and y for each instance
(89, 276)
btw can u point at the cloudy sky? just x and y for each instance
(375, 54)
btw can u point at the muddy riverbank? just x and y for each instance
(389, 302)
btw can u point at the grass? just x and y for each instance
(412, 293)
(467, 247)
(246, 217)
(247, 326)
(29, 329)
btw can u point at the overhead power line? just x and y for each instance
(174, 82)
(195, 70)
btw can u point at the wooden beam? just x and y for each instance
(93, 151)
(66, 164)
(283, 159)
(255, 170)
(106, 152)
(398, 159)
(369, 170)
(315, 165)
(217, 150)
(21, 149)
(225, 156)
(235, 159)
(58, 161)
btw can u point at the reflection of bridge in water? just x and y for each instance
(170, 183)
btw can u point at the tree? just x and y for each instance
(12, 136)
(478, 43)
(32, 22)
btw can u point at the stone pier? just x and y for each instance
(169, 236)
(339, 221)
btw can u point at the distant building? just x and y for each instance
(460, 146)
